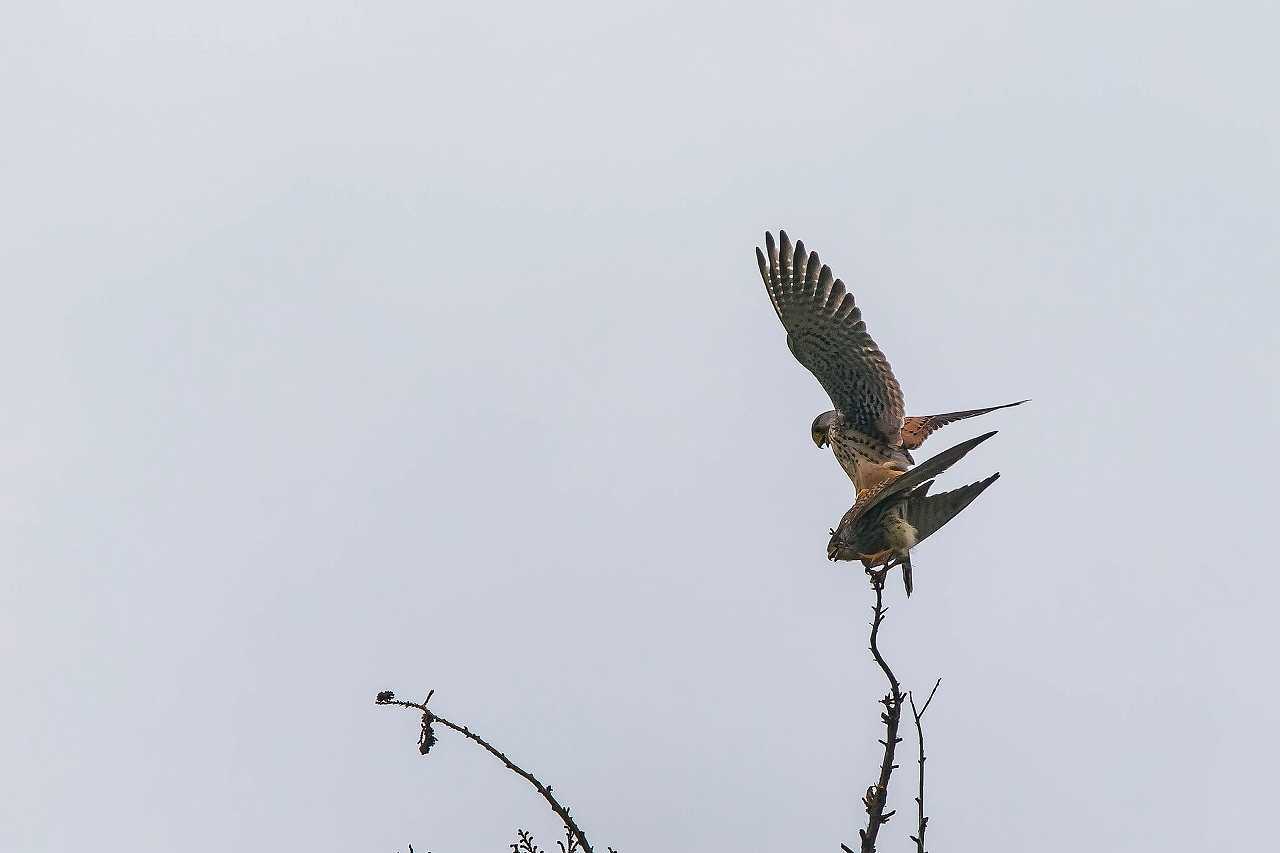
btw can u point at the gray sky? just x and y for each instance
(420, 347)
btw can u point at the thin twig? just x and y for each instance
(878, 794)
(923, 821)
(429, 716)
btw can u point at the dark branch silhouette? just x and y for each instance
(427, 739)
(878, 794)
(874, 800)
(923, 821)
(524, 843)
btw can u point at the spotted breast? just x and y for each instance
(868, 461)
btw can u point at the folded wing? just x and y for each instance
(928, 513)
(869, 499)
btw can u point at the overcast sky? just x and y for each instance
(410, 346)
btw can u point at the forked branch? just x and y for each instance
(922, 821)
(877, 795)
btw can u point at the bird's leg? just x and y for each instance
(876, 559)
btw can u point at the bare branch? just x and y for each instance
(878, 794)
(922, 821)
(427, 740)
(524, 843)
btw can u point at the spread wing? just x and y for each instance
(869, 499)
(927, 513)
(917, 428)
(826, 334)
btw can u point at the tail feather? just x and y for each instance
(906, 573)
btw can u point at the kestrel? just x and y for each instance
(868, 432)
(890, 519)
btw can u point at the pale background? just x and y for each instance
(396, 346)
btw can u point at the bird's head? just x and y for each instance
(838, 549)
(821, 426)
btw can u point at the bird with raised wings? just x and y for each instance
(889, 519)
(868, 431)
